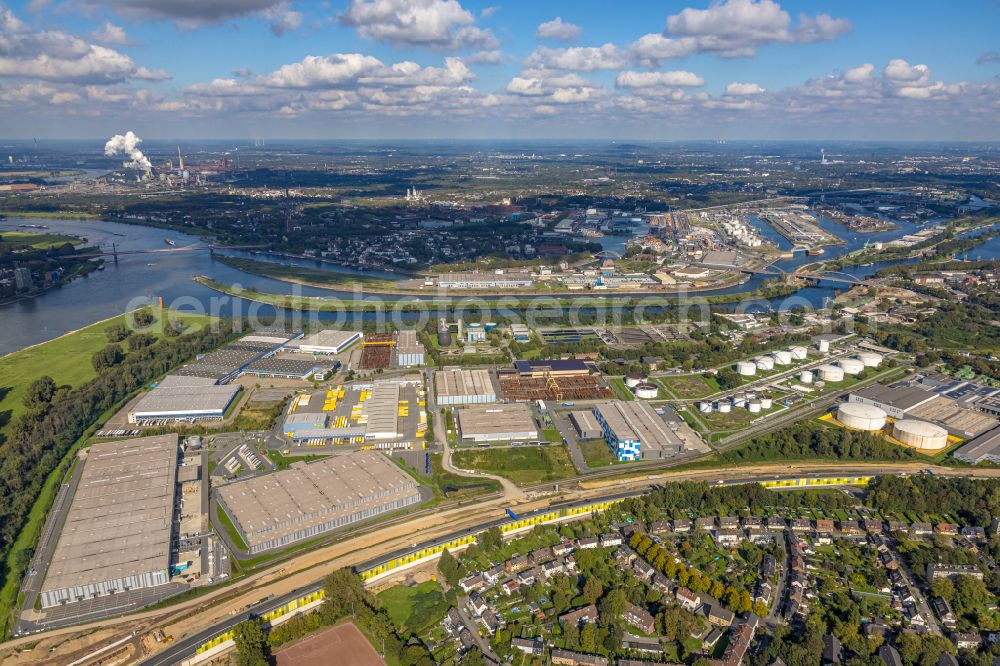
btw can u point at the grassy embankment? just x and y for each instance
(68, 361)
(17, 241)
(524, 466)
(51, 215)
(313, 277)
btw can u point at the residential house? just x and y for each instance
(587, 542)
(704, 523)
(659, 527)
(898, 526)
(727, 538)
(639, 618)
(758, 536)
(569, 658)
(718, 616)
(553, 568)
(517, 563)
(973, 533)
(776, 523)
(763, 593)
(948, 529)
(873, 525)
(474, 582)
(944, 612)
(967, 640)
(452, 621)
(824, 525)
(801, 525)
(577, 616)
(528, 576)
(768, 566)
(540, 555)
(562, 548)
(534, 646)
(850, 527)
(921, 529)
(493, 575)
(510, 586)
(662, 583)
(687, 599)
(728, 523)
(832, 650)
(739, 643)
(643, 569)
(952, 570)
(492, 621)
(753, 522)
(610, 540)
(682, 525)
(476, 604)
(889, 656)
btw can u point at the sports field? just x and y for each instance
(343, 645)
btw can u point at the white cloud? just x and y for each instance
(743, 89)
(732, 28)
(900, 71)
(323, 71)
(111, 34)
(556, 29)
(632, 79)
(860, 73)
(436, 24)
(578, 58)
(54, 55)
(283, 19)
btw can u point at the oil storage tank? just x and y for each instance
(782, 357)
(799, 353)
(870, 359)
(645, 391)
(920, 434)
(851, 366)
(861, 417)
(830, 373)
(765, 363)
(806, 377)
(823, 346)
(746, 368)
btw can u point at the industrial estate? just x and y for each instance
(578, 403)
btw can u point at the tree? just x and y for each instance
(944, 588)
(449, 568)
(117, 333)
(108, 357)
(760, 608)
(717, 589)
(473, 657)
(344, 593)
(251, 645)
(491, 539)
(592, 590)
(588, 637)
(571, 636)
(140, 341)
(40, 392)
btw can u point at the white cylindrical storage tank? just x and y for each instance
(705, 406)
(765, 363)
(851, 366)
(782, 357)
(725, 407)
(920, 434)
(645, 391)
(766, 403)
(870, 359)
(754, 406)
(799, 353)
(634, 379)
(823, 345)
(806, 377)
(830, 373)
(746, 368)
(861, 417)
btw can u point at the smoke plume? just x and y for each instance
(128, 144)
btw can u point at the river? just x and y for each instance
(144, 278)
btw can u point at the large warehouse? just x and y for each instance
(409, 350)
(893, 400)
(229, 362)
(984, 447)
(369, 411)
(586, 424)
(635, 431)
(464, 387)
(274, 510)
(116, 535)
(326, 342)
(497, 423)
(174, 402)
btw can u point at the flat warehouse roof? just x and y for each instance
(382, 409)
(980, 448)
(585, 420)
(456, 382)
(407, 343)
(637, 420)
(119, 522)
(328, 339)
(174, 381)
(187, 399)
(900, 397)
(272, 506)
(496, 419)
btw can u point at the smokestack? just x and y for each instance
(180, 160)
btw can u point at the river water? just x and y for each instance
(144, 278)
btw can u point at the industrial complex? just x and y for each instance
(634, 431)
(116, 536)
(455, 386)
(275, 510)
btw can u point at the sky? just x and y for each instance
(500, 69)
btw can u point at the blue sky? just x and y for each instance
(441, 68)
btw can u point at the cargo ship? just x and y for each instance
(169, 242)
